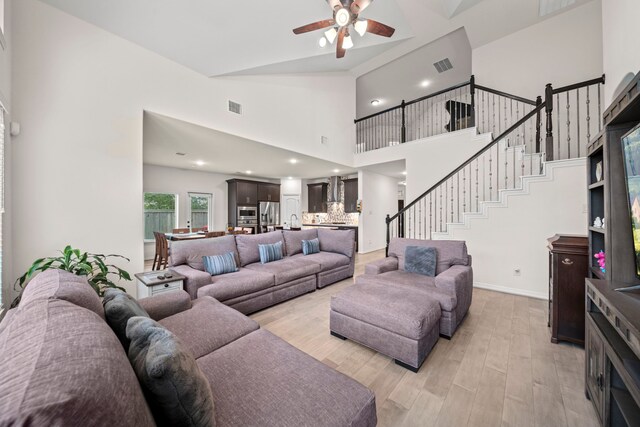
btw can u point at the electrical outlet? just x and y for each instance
(516, 272)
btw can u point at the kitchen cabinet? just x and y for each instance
(268, 192)
(317, 197)
(243, 193)
(350, 195)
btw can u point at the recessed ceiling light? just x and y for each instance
(375, 102)
(199, 163)
(248, 172)
(403, 182)
(322, 42)
(404, 173)
(290, 177)
(293, 161)
(336, 170)
(181, 154)
(425, 83)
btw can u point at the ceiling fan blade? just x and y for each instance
(340, 51)
(315, 26)
(380, 29)
(334, 3)
(359, 5)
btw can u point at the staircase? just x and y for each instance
(520, 153)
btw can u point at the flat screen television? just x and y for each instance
(631, 159)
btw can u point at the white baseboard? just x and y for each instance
(513, 291)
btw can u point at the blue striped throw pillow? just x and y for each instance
(271, 252)
(311, 246)
(220, 264)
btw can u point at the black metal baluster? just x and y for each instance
(588, 116)
(430, 214)
(568, 128)
(578, 119)
(477, 161)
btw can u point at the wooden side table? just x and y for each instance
(568, 267)
(149, 284)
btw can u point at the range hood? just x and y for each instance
(333, 192)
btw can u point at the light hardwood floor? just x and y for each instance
(500, 368)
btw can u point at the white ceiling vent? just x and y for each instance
(234, 107)
(550, 6)
(443, 65)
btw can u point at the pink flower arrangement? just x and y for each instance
(601, 260)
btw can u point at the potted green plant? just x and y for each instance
(97, 268)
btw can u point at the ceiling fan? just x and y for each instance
(345, 14)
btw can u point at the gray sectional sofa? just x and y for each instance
(256, 286)
(63, 365)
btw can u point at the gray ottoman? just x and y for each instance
(400, 324)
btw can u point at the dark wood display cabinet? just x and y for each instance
(350, 195)
(243, 193)
(612, 325)
(568, 267)
(317, 197)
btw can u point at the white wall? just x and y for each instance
(379, 195)
(515, 236)
(5, 99)
(620, 31)
(80, 93)
(427, 160)
(562, 50)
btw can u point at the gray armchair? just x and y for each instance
(452, 286)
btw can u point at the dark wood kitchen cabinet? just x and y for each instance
(317, 197)
(350, 195)
(268, 192)
(568, 267)
(244, 193)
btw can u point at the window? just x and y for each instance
(2, 24)
(160, 213)
(199, 210)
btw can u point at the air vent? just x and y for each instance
(234, 107)
(181, 154)
(444, 65)
(547, 7)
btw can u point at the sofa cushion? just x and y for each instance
(190, 252)
(248, 245)
(260, 380)
(287, 269)
(178, 392)
(119, 307)
(293, 239)
(449, 252)
(310, 247)
(271, 252)
(409, 314)
(338, 241)
(62, 365)
(420, 260)
(413, 282)
(327, 260)
(232, 285)
(208, 325)
(59, 284)
(220, 264)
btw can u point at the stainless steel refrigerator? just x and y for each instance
(268, 215)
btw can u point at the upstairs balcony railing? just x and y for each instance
(457, 107)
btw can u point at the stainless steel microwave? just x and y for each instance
(247, 212)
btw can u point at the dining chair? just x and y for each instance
(180, 230)
(161, 258)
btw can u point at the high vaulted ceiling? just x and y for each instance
(216, 37)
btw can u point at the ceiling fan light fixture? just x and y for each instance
(342, 17)
(322, 42)
(331, 34)
(347, 43)
(361, 26)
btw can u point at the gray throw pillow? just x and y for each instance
(420, 260)
(177, 391)
(119, 307)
